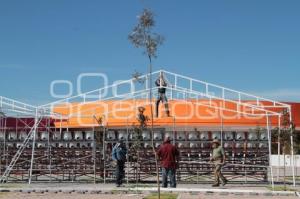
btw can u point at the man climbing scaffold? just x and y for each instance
(161, 83)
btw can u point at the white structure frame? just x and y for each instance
(175, 84)
(14, 108)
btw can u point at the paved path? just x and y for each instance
(185, 191)
(75, 195)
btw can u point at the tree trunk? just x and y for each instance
(152, 133)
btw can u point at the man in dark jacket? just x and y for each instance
(162, 84)
(169, 156)
(119, 153)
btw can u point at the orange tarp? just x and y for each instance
(183, 112)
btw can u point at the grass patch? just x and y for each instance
(281, 188)
(142, 186)
(135, 192)
(10, 186)
(162, 196)
(115, 191)
(291, 178)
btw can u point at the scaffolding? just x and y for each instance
(54, 149)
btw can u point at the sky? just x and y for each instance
(249, 45)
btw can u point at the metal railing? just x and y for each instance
(177, 83)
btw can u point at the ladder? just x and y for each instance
(9, 168)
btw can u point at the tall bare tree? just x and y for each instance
(284, 136)
(143, 37)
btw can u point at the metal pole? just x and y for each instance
(270, 152)
(284, 184)
(49, 149)
(94, 150)
(174, 129)
(50, 163)
(60, 126)
(221, 132)
(279, 132)
(127, 146)
(174, 142)
(104, 169)
(222, 127)
(60, 138)
(5, 155)
(292, 147)
(1, 130)
(33, 145)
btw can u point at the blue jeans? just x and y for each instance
(171, 173)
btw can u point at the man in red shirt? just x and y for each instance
(169, 156)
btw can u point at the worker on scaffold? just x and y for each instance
(218, 158)
(161, 83)
(142, 118)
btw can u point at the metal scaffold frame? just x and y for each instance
(19, 110)
(179, 88)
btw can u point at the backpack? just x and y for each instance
(119, 153)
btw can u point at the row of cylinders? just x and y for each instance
(192, 145)
(53, 145)
(66, 135)
(146, 136)
(121, 135)
(227, 145)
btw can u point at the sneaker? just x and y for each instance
(215, 185)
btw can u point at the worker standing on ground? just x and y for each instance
(119, 153)
(218, 158)
(162, 84)
(169, 156)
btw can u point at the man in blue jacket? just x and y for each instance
(119, 153)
